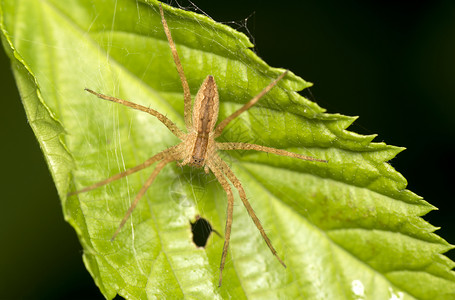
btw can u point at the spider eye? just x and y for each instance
(197, 161)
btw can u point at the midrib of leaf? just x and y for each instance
(329, 140)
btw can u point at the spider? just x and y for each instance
(198, 147)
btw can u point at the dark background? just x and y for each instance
(392, 64)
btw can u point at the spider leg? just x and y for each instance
(222, 124)
(142, 191)
(230, 211)
(246, 146)
(178, 64)
(162, 118)
(231, 176)
(145, 164)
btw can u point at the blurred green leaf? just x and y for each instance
(348, 229)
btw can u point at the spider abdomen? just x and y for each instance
(205, 115)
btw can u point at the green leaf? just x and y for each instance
(347, 229)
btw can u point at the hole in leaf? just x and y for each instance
(201, 229)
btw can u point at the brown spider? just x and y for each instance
(198, 147)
